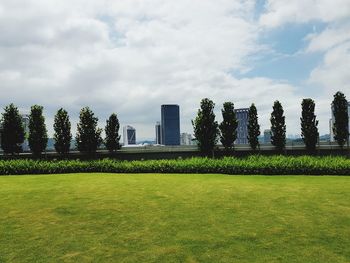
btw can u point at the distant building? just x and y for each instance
(170, 125)
(186, 139)
(158, 129)
(25, 123)
(331, 123)
(267, 136)
(242, 129)
(129, 135)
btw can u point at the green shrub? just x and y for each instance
(268, 165)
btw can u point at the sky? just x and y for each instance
(131, 56)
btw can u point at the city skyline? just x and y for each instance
(129, 57)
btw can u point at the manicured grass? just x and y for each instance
(174, 218)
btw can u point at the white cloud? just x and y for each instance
(132, 56)
(329, 38)
(280, 12)
(333, 73)
(332, 43)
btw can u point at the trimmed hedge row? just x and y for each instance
(267, 165)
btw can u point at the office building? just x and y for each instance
(170, 124)
(158, 129)
(25, 123)
(331, 133)
(185, 139)
(242, 128)
(267, 136)
(129, 135)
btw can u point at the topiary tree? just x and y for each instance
(88, 137)
(278, 126)
(341, 118)
(309, 130)
(12, 132)
(205, 127)
(62, 135)
(253, 127)
(112, 136)
(37, 130)
(228, 126)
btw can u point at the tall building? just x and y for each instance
(25, 123)
(185, 139)
(242, 128)
(267, 136)
(331, 123)
(158, 129)
(129, 135)
(170, 124)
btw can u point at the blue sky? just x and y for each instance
(287, 60)
(131, 56)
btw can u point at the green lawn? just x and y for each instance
(174, 218)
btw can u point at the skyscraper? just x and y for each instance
(242, 128)
(25, 123)
(170, 124)
(158, 133)
(129, 135)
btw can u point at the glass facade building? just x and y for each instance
(242, 129)
(129, 135)
(170, 124)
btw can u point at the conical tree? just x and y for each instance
(62, 135)
(37, 130)
(341, 118)
(278, 126)
(88, 137)
(12, 132)
(309, 130)
(112, 133)
(253, 127)
(228, 126)
(205, 127)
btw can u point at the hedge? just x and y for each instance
(264, 165)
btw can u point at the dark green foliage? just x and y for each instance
(278, 126)
(309, 130)
(62, 135)
(112, 136)
(228, 126)
(37, 130)
(255, 164)
(341, 118)
(88, 137)
(205, 127)
(12, 132)
(253, 127)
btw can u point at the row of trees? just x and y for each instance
(208, 131)
(88, 137)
